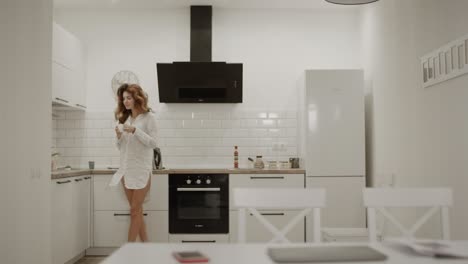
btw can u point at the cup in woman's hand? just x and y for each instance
(120, 127)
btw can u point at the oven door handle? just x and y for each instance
(198, 189)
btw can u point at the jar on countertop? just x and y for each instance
(258, 164)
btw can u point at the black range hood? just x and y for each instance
(200, 80)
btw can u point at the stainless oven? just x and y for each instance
(198, 203)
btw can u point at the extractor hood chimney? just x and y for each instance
(200, 33)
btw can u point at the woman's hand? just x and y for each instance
(129, 128)
(117, 132)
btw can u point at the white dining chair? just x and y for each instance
(251, 199)
(379, 199)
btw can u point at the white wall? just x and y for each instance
(25, 27)
(275, 46)
(417, 134)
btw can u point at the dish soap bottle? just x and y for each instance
(236, 158)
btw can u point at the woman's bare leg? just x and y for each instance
(137, 222)
(129, 193)
(143, 234)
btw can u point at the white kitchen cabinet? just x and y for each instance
(111, 227)
(199, 238)
(70, 208)
(81, 202)
(263, 181)
(257, 233)
(113, 198)
(344, 202)
(68, 69)
(61, 218)
(111, 218)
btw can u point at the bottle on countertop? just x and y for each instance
(236, 158)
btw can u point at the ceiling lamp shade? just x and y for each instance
(351, 2)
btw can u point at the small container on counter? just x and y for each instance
(258, 164)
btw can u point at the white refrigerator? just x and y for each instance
(333, 137)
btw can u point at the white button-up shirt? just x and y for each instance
(136, 152)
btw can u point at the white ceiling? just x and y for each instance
(143, 4)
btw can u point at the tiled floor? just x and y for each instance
(90, 260)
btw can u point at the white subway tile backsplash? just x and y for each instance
(291, 132)
(75, 115)
(230, 123)
(109, 132)
(248, 123)
(93, 133)
(291, 114)
(170, 123)
(63, 123)
(287, 123)
(275, 132)
(103, 124)
(60, 133)
(66, 142)
(267, 123)
(188, 139)
(201, 115)
(176, 115)
(220, 115)
(259, 132)
(186, 133)
(272, 115)
(72, 152)
(100, 115)
(211, 123)
(192, 123)
(236, 133)
(76, 133)
(265, 142)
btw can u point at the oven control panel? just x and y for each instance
(197, 179)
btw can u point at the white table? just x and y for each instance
(155, 253)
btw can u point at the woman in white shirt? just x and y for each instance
(136, 139)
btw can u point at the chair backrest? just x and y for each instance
(378, 199)
(251, 199)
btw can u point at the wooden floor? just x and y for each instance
(90, 260)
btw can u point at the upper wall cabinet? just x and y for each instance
(68, 69)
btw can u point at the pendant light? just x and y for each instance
(351, 2)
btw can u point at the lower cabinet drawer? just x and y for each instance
(258, 233)
(198, 238)
(111, 227)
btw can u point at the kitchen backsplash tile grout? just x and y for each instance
(187, 139)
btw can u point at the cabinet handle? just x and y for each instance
(82, 106)
(270, 214)
(265, 178)
(145, 214)
(198, 241)
(87, 178)
(62, 182)
(77, 180)
(60, 99)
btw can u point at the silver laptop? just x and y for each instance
(313, 254)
